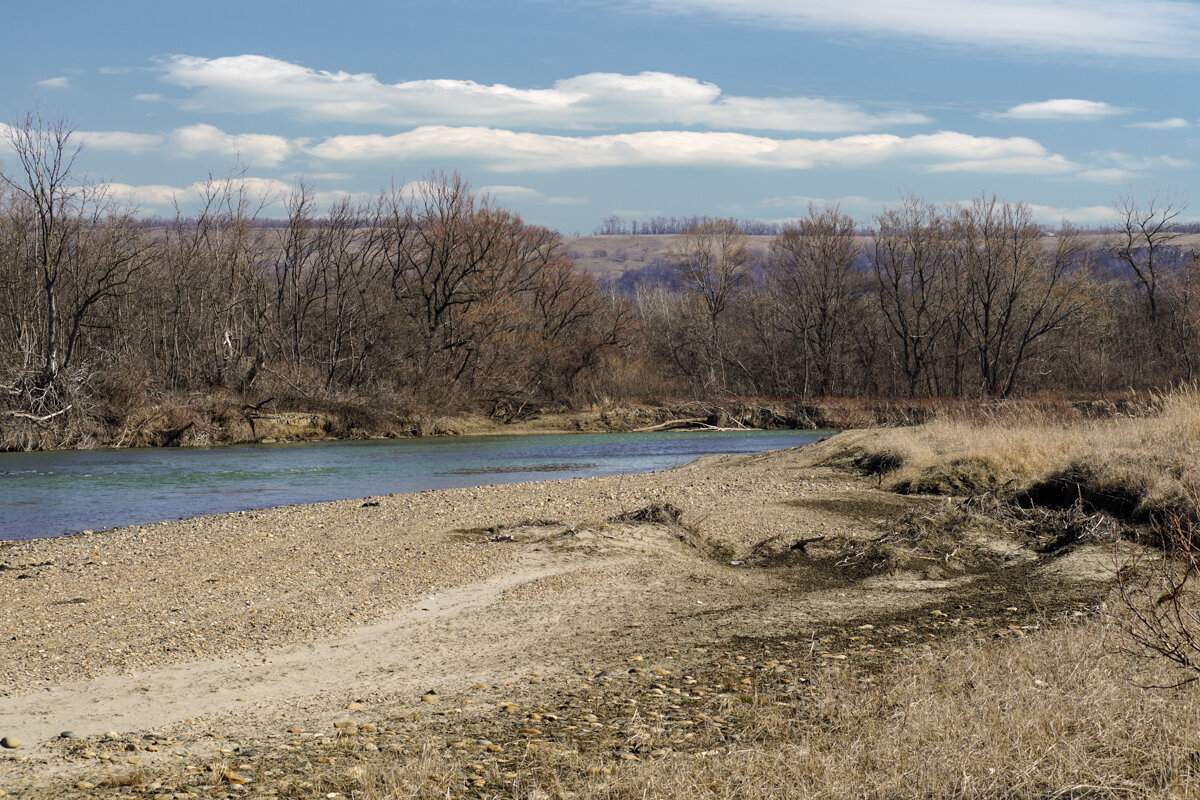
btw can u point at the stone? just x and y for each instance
(229, 776)
(10, 743)
(68, 735)
(85, 785)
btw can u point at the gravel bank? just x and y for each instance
(135, 598)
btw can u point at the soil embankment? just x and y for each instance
(217, 421)
(273, 651)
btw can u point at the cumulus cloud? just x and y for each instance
(1173, 123)
(148, 97)
(506, 150)
(253, 83)
(256, 148)
(61, 82)
(1159, 29)
(1062, 109)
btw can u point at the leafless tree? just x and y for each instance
(1144, 230)
(711, 261)
(811, 267)
(71, 240)
(910, 258)
(1015, 291)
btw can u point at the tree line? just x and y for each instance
(616, 225)
(435, 299)
(974, 300)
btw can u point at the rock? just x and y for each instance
(354, 705)
(430, 697)
(85, 785)
(229, 776)
(68, 735)
(10, 743)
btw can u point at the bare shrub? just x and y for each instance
(1160, 598)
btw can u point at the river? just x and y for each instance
(54, 493)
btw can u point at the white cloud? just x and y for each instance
(1113, 175)
(1087, 215)
(148, 97)
(254, 83)
(148, 195)
(864, 209)
(526, 194)
(61, 82)
(1159, 29)
(256, 148)
(1140, 163)
(1062, 109)
(270, 193)
(119, 140)
(506, 150)
(800, 203)
(1162, 125)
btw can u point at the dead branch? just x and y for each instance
(801, 544)
(37, 419)
(669, 424)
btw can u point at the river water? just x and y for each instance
(54, 493)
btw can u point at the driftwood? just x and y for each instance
(697, 423)
(37, 419)
(801, 544)
(669, 424)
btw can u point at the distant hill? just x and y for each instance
(627, 261)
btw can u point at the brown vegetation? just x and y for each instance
(432, 300)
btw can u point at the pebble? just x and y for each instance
(85, 785)
(10, 742)
(68, 735)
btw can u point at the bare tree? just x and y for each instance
(1015, 292)
(73, 242)
(910, 257)
(812, 269)
(711, 261)
(1143, 232)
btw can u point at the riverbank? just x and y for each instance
(206, 422)
(696, 630)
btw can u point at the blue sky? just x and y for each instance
(572, 110)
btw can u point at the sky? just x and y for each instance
(567, 111)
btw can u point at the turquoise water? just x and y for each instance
(51, 494)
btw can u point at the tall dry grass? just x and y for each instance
(1139, 466)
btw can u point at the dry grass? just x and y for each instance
(1055, 715)
(1137, 466)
